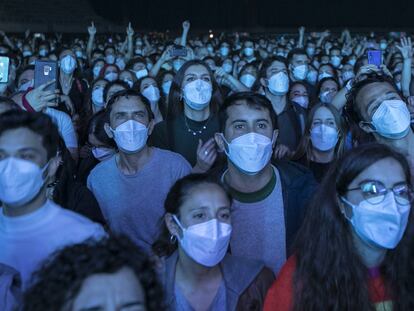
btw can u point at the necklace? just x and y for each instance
(196, 132)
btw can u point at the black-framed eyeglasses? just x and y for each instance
(375, 191)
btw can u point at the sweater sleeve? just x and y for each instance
(280, 295)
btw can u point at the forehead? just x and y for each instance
(380, 171)
(372, 91)
(21, 138)
(115, 88)
(323, 113)
(127, 104)
(196, 69)
(27, 74)
(147, 81)
(298, 88)
(277, 65)
(66, 52)
(297, 57)
(101, 83)
(240, 110)
(111, 68)
(201, 195)
(125, 74)
(328, 83)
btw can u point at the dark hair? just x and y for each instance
(265, 66)
(352, 112)
(37, 122)
(9, 103)
(175, 104)
(96, 127)
(251, 99)
(305, 144)
(110, 84)
(333, 69)
(330, 274)
(128, 93)
(174, 200)
(296, 51)
(65, 271)
(134, 61)
(320, 83)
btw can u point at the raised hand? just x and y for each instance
(130, 31)
(186, 25)
(206, 155)
(406, 47)
(40, 99)
(92, 29)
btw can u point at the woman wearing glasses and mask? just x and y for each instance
(355, 249)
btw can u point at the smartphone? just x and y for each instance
(375, 57)
(45, 71)
(4, 69)
(178, 50)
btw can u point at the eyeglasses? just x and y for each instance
(374, 192)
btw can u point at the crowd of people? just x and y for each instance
(211, 172)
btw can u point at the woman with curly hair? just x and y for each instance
(355, 249)
(111, 274)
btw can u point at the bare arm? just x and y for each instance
(91, 40)
(406, 50)
(186, 28)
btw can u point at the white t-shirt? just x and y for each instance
(65, 127)
(25, 241)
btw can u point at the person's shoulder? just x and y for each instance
(169, 157)
(103, 167)
(73, 222)
(291, 171)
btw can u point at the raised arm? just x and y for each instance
(406, 50)
(91, 40)
(186, 29)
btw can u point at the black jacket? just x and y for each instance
(298, 187)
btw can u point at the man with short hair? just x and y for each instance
(31, 226)
(269, 200)
(132, 185)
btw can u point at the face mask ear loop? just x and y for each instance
(343, 200)
(178, 223)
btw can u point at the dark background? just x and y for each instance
(258, 14)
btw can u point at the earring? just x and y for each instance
(173, 239)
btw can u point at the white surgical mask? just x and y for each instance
(312, 77)
(120, 63)
(227, 67)
(102, 153)
(25, 86)
(68, 64)
(206, 243)
(302, 101)
(177, 63)
(326, 97)
(324, 137)
(279, 83)
(131, 136)
(111, 76)
(380, 224)
(152, 93)
(250, 152)
(300, 72)
(392, 119)
(398, 84)
(141, 73)
(224, 51)
(79, 54)
(335, 61)
(166, 86)
(110, 59)
(20, 181)
(96, 71)
(323, 75)
(310, 51)
(43, 52)
(248, 80)
(383, 46)
(352, 62)
(347, 75)
(248, 52)
(27, 53)
(197, 94)
(97, 97)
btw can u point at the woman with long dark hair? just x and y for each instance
(323, 141)
(191, 121)
(355, 249)
(198, 273)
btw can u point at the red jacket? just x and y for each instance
(280, 295)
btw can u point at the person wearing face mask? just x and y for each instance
(111, 274)
(198, 273)
(377, 110)
(110, 73)
(268, 199)
(114, 182)
(224, 50)
(298, 66)
(274, 80)
(28, 160)
(298, 96)
(191, 120)
(98, 147)
(323, 141)
(97, 99)
(357, 236)
(327, 89)
(335, 57)
(138, 66)
(128, 77)
(248, 51)
(72, 89)
(113, 87)
(248, 74)
(97, 66)
(326, 71)
(148, 87)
